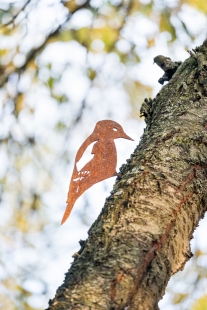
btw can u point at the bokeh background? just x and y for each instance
(64, 65)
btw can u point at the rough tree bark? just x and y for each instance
(143, 233)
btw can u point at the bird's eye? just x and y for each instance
(114, 129)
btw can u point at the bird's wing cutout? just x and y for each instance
(78, 182)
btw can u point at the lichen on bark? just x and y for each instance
(142, 235)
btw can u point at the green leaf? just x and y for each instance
(60, 98)
(50, 82)
(165, 25)
(91, 74)
(60, 126)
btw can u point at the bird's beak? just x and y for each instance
(127, 137)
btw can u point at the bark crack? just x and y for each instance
(152, 253)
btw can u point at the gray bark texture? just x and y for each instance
(142, 235)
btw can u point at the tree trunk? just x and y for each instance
(142, 235)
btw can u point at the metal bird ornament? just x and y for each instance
(100, 167)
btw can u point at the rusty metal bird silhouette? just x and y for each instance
(100, 167)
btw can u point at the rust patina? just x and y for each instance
(101, 166)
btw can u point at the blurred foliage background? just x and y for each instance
(64, 65)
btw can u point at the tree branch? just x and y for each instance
(142, 235)
(16, 15)
(33, 53)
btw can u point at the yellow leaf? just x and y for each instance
(32, 64)
(22, 223)
(83, 36)
(23, 291)
(135, 6)
(146, 9)
(52, 39)
(200, 5)
(7, 30)
(151, 42)
(200, 304)
(66, 36)
(178, 298)
(3, 52)
(137, 92)
(6, 302)
(70, 5)
(107, 34)
(199, 253)
(19, 104)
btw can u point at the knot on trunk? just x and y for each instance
(168, 66)
(146, 109)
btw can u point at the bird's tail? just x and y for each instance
(68, 210)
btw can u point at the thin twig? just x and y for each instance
(16, 15)
(32, 54)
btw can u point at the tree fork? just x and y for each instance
(142, 235)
